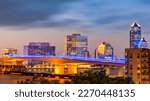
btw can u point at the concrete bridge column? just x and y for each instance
(72, 69)
(59, 69)
(107, 68)
(120, 71)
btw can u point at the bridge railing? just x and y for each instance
(72, 57)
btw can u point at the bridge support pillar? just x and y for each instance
(72, 69)
(59, 69)
(107, 70)
(65, 69)
(120, 72)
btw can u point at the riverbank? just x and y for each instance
(12, 78)
(22, 79)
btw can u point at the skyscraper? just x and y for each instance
(143, 43)
(104, 50)
(76, 45)
(136, 40)
(135, 35)
(38, 49)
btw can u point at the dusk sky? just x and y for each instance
(24, 21)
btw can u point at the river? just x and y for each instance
(12, 79)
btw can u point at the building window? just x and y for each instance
(126, 55)
(144, 72)
(145, 66)
(138, 68)
(138, 75)
(47, 70)
(145, 55)
(34, 70)
(138, 55)
(131, 66)
(130, 56)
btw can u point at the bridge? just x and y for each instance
(64, 65)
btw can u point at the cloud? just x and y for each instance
(22, 12)
(77, 14)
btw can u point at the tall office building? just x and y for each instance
(9, 52)
(76, 45)
(104, 50)
(135, 35)
(38, 49)
(138, 65)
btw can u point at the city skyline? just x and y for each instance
(50, 21)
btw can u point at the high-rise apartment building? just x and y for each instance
(104, 50)
(9, 52)
(76, 45)
(135, 35)
(138, 65)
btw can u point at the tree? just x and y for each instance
(98, 77)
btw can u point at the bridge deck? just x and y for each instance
(68, 59)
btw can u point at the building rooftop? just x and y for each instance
(135, 25)
(143, 40)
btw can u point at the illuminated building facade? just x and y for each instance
(76, 45)
(143, 43)
(9, 52)
(38, 49)
(135, 35)
(138, 65)
(104, 50)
